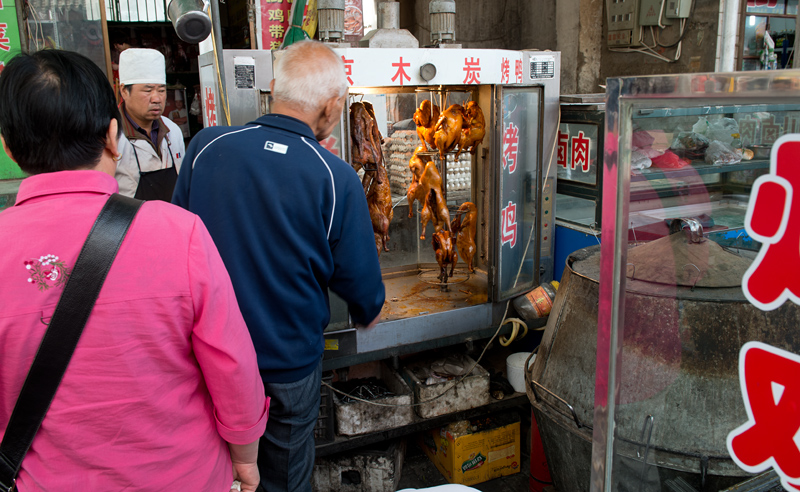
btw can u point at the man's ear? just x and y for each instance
(332, 109)
(112, 137)
(5, 148)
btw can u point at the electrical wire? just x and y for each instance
(505, 313)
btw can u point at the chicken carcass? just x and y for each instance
(473, 129)
(444, 247)
(417, 163)
(425, 117)
(447, 132)
(366, 141)
(428, 190)
(463, 226)
(379, 199)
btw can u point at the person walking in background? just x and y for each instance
(162, 391)
(290, 220)
(152, 148)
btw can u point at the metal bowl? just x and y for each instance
(761, 151)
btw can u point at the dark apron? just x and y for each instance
(156, 185)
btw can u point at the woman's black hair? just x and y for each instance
(55, 111)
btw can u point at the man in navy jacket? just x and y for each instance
(290, 220)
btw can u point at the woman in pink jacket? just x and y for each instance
(163, 391)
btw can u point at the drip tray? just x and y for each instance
(418, 292)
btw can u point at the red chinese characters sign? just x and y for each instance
(575, 156)
(508, 224)
(773, 218)
(210, 108)
(770, 383)
(510, 147)
(274, 21)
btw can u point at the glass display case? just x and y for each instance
(496, 195)
(639, 381)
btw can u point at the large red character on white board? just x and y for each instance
(770, 383)
(773, 218)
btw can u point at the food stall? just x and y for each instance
(509, 178)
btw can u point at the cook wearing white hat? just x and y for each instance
(153, 147)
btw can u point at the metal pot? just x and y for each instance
(679, 381)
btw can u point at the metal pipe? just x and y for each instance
(216, 29)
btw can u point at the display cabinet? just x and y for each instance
(639, 383)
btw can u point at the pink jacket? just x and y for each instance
(164, 373)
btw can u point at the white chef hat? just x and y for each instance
(142, 66)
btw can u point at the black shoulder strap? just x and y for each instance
(63, 332)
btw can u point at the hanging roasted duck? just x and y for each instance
(464, 226)
(473, 129)
(447, 132)
(445, 249)
(425, 117)
(379, 199)
(366, 141)
(428, 190)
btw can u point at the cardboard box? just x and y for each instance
(468, 458)
(470, 392)
(357, 417)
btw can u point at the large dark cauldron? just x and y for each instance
(679, 388)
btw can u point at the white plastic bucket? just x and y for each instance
(515, 364)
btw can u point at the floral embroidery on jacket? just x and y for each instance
(47, 271)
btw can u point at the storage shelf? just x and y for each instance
(346, 443)
(695, 168)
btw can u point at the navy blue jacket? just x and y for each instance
(290, 220)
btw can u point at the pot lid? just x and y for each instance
(688, 259)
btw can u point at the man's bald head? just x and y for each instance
(307, 74)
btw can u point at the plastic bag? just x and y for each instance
(670, 160)
(640, 160)
(691, 145)
(724, 130)
(719, 153)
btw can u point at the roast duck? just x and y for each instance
(426, 186)
(425, 117)
(447, 132)
(366, 144)
(445, 249)
(463, 226)
(379, 199)
(366, 141)
(473, 129)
